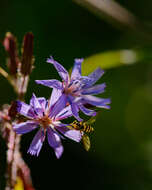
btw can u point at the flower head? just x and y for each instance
(46, 115)
(78, 90)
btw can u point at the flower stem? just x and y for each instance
(6, 75)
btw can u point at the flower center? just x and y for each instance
(72, 88)
(45, 121)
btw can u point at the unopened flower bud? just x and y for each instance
(10, 46)
(12, 112)
(27, 56)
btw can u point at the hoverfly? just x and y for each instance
(84, 127)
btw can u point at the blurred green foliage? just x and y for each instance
(121, 146)
(110, 59)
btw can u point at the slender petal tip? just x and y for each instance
(50, 60)
(36, 144)
(59, 151)
(74, 135)
(50, 83)
(78, 60)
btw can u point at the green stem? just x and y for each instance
(6, 75)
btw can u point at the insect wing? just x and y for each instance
(86, 142)
(70, 127)
(91, 120)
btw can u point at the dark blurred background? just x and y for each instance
(121, 145)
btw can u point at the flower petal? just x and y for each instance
(25, 109)
(98, 102)
(75, 110)
(60, 69)
(99, 88)
(58, 106)
(95, 76)
(80, 83)
(24, 127)
(56, 93)
(55, 142)
(76, 71)
(43, 102)
(37, 143)
(50, 83)
(65, 113)
(87, 111)
(36, 105)
(70, 133)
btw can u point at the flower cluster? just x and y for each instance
(68, 98)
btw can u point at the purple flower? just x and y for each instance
(46, 115)
(77, 90)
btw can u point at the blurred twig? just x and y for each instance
(114, 13)
(6, 75)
